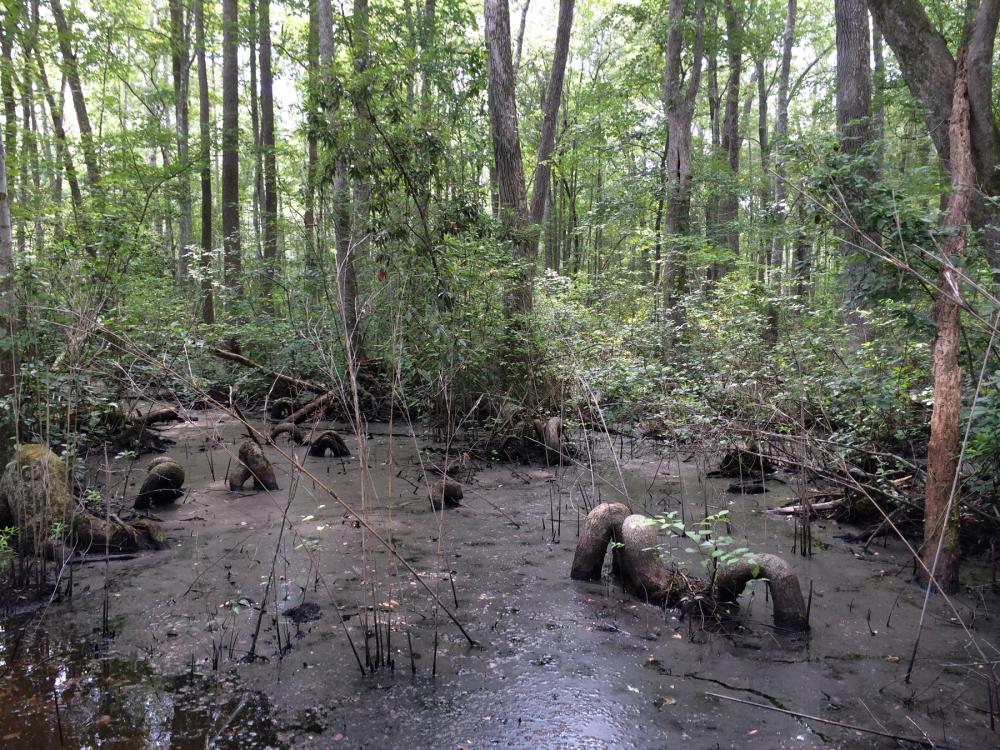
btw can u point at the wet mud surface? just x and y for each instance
(556, 663)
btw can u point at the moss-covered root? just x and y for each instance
(602, 526)
(34, 492)
(643, 571)
(446, 493)
(789, 606)
(253, 463)
(93, 535)
(329, 441)
(162, 485)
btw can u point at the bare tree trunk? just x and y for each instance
(939, 552)
(205, 167)
(731, 141)
(257, 193)
(59, 130)
(269, 157)
(854, 100)
(507, 153)
(550, 112)
(8, 314)
(678, 102)
(7, 32)
(230, 148)
(520, 38)
(878, 95)
(780, 143)
(76, 89)
(179, 49)
(309, 218)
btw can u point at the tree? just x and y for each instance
(678, 104)
(780, 143)
(928, 68)
(270, 222)
(72, 71)
(205, 167)
(731, 140)
(939, 552)
(8, 317)
(179, 56)
(230, 148)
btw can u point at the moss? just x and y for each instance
(35, 491)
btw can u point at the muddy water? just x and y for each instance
(556, 663)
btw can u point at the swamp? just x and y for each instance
(536, 374)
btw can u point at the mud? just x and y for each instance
(557, 663)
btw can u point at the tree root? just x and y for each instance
(446, 493)
(252, 463)
(637, 560)
(162, 484)
(329, 441)
(296, 435)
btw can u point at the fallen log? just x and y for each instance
(300, 415)
(155, 416)
(796, 510)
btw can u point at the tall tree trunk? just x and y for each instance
(72, 71)
(878, 95)
(939, 552)
(257, 194)
(520, 38)
(779, 146)
(59, 130)
(230, 148)
(731, 140)
(7, 33)
(854, 101)
(267, 146)
(312, 149)
(550, 112)
(507, 154)
(678, 102)
(179, 49)
(205, 167)
(8, 313)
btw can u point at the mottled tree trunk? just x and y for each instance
(731, 140)
(779, 145)
(678, 103)
(270, 181)
(205, 168)
(939, 552)
(179, 46)
(312, 159)
(8, 316)
(854, 101)
(230, 148)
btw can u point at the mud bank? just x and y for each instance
(556, 663)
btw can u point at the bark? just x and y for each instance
(59, 130)
(731, 140)
(550, 112)
(257, 194)
(939, 552)
(230, 148)
(520, 38)
(602, 526)
(678, 102)
(7, 31)
(72, 70)
(8, 316)
(312, 156)
(929, 71)
(267, 144)
(252, 464)
(854, 101)
(205, 168)
(779, 145)
(790, 611)
(180, 69)
(502, 107)
(359, 231)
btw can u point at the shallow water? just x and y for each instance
(556, 663)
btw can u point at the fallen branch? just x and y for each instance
(288, 379)
(795, 510)
(843, 725)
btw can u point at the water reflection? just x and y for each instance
(74, 693)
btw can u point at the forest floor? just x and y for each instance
(558, 663)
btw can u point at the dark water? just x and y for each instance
(556, 663)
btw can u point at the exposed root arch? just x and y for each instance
(637, 559)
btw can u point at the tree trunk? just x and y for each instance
(550, 112)
(520, 38)
(939, 552)
(929, 71)
(312, 149)
(7, 32)
(8, 315)
(257, 193)
(779, 145)
(179, 48)
(507, 154)
(76, 89)
(678, 102)
(205, 168)
(854, 101)
(230, 148)
(731, 141)
(267, 145)
(59, 130)
(359, 232)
